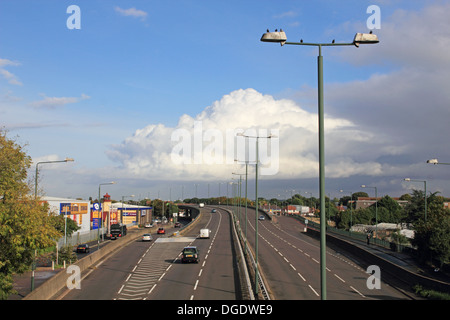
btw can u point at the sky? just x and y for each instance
(156, 95)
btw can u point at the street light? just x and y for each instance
(376, 209)
(425, 189)
(435, 161)
(101, 215)
(360, 38)
(41, 162)
(351, 209)
(256, 200)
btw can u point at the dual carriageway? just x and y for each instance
(288, 261)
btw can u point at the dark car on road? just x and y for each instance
(83, 248)
(189, 254)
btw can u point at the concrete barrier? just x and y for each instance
(408, 278)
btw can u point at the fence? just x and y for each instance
(83, 237)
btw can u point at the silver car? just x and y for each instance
(147, 237)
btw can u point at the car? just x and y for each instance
(261, 217)
(189, 254)
(148, 225)
(177, 225)
(213, 210)
(161, 231)
(147, 237)
(83, 248)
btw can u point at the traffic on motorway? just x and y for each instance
(201, 263)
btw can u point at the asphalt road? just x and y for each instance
(290, 263)
(153, 270)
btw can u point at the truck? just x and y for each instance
(118, 230)
(204, 233)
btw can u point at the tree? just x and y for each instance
(25, 225)
(432, 237)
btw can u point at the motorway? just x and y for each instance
(289, 262)
(153, 270)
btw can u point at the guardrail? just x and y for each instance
(263, 293)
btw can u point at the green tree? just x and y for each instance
(389, 210)
(25, 224)
(432, 237)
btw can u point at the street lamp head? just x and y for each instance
(365, 38)
(407, 179)
(277, 36)
(69, 159)
(433, 161)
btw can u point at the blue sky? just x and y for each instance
(98, 93)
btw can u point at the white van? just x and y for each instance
(204, 233)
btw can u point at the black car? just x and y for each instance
(83, 248)
(189, 254)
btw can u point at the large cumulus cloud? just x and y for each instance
(152, 151)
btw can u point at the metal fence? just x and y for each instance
(83, 237)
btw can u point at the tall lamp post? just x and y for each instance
(256, 201)
(101, 213)
(425, 190)
(360, 38)
(37, 171)
(351, 210)
(376, 208)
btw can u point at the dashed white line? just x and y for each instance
(313, 290)
(301, 277)
(358, 292)
(339, 278)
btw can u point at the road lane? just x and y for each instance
(213, 277)
(153, 270)
(284, 252)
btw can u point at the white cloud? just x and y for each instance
(409, 104)
(131, 12)
(54, 102)
(10, 77)
(149, 152)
